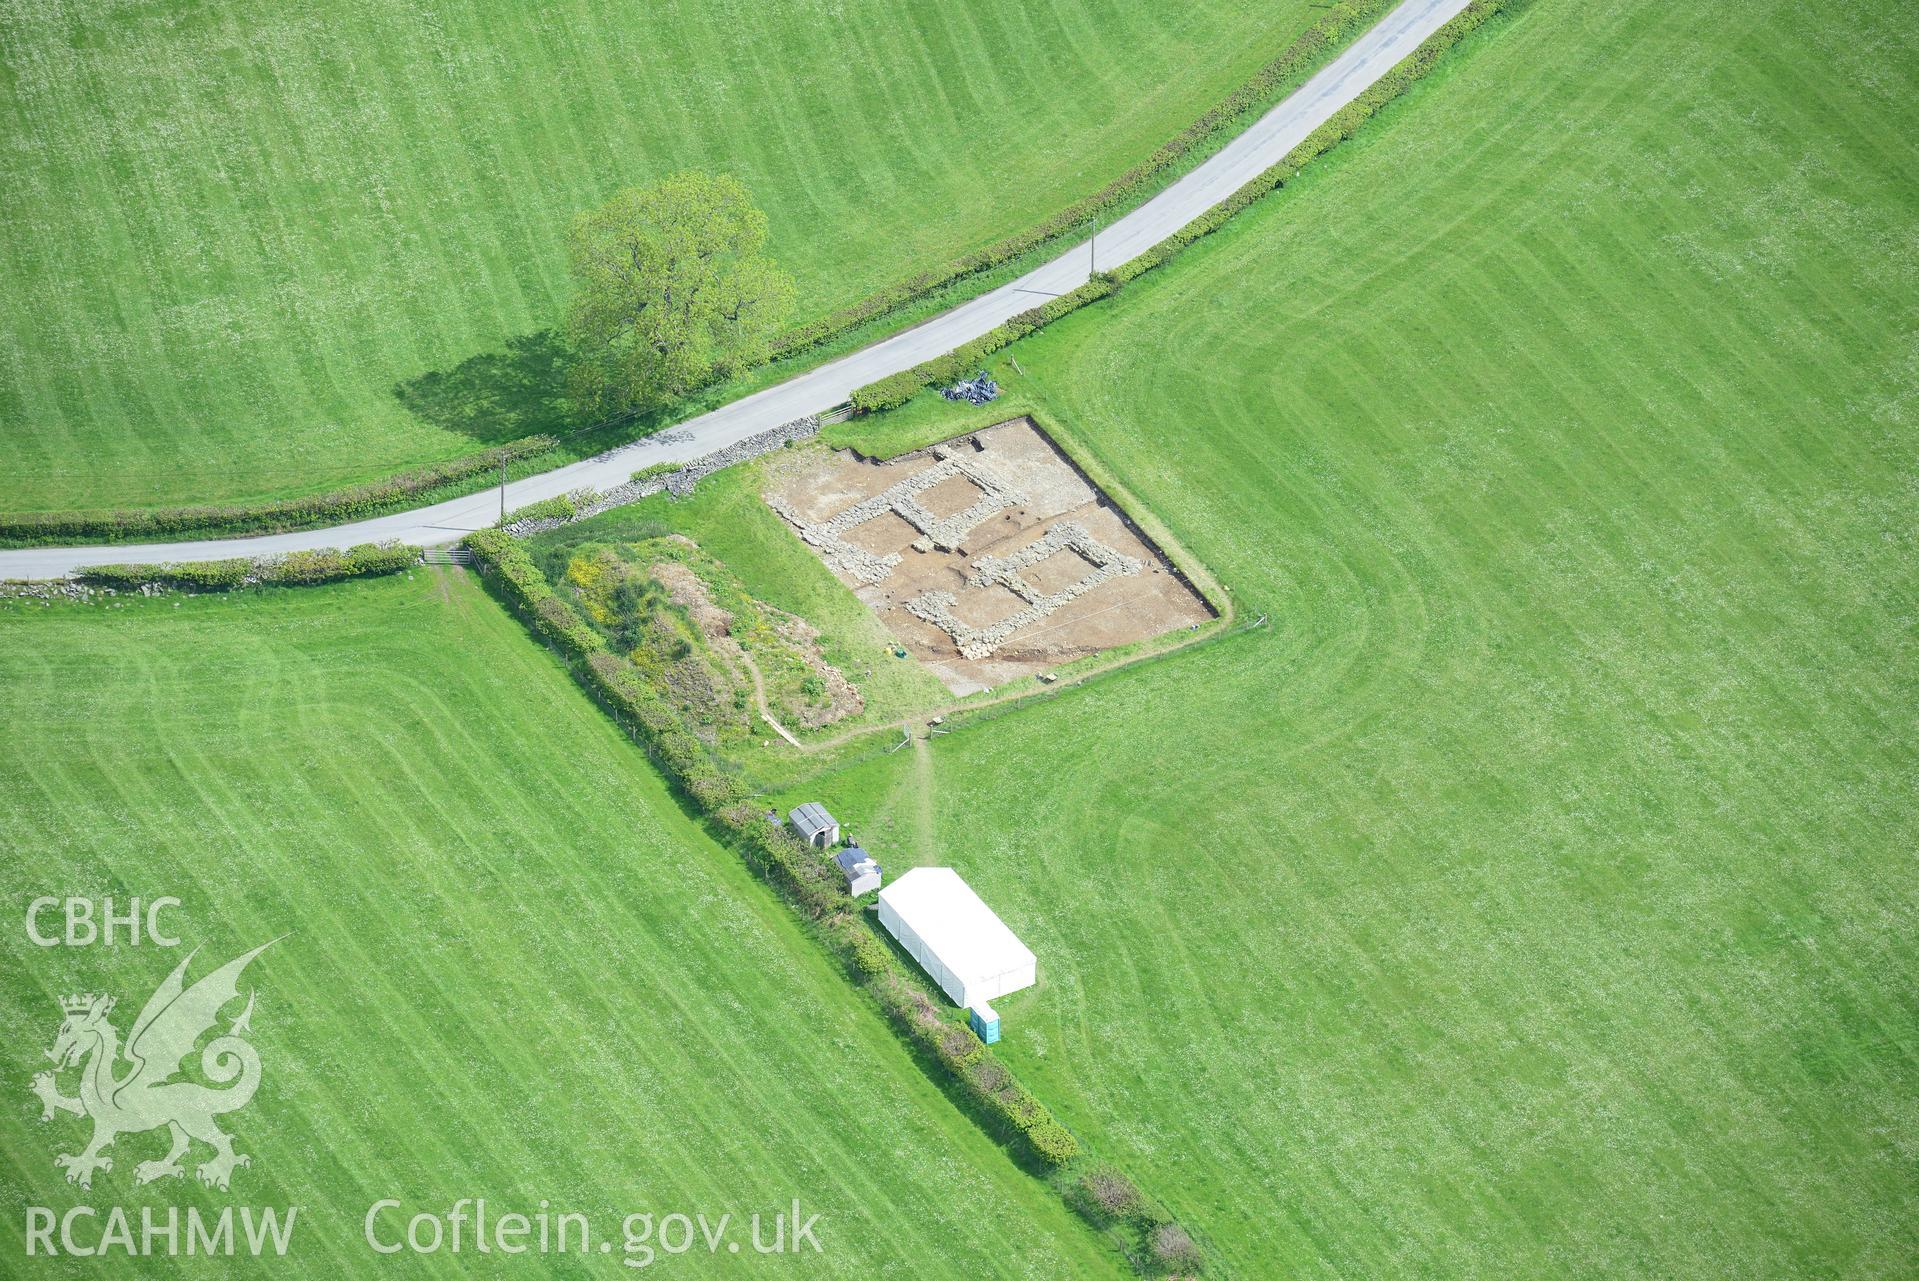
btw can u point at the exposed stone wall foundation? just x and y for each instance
(902, 499)
(1004, 571)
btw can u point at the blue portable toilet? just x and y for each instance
(984, 1020)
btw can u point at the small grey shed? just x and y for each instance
(815, 826)
(862, 873)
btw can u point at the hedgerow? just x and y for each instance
(1152, 1239)
(653, 471)
(294, 568)
(1107, 1196)
(868, 956)
(356, 502)
(896, 389)
(1052, 1142)
(380, 558)
(888, 393)
(204, 576)
(562, 506)
(1290, 64)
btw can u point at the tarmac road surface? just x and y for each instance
(1262, 145)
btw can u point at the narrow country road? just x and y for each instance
(1261, 146)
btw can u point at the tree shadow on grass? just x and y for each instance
(499, 395)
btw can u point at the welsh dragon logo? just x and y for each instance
(142, 1096)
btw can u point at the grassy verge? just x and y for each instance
(302, 569)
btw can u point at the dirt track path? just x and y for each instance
(923, 796)
(759, 700)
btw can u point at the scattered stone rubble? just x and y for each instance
(1004, 571)
(63, 589)
(678, 483)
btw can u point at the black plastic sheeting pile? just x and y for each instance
(976, 390)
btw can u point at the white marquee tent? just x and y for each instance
(966, 948)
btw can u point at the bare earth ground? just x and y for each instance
(989, 556)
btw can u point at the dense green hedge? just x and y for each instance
(356, 502)
(299, 568)
(205, 576)
(1291, 63)
(896, 389)
(808, 882)
(562, 507)
(326, 566)
(994, 1090)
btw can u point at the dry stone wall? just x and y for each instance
(678, 483)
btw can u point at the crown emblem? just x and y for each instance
(77, 1004)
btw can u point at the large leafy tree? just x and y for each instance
(672, 291)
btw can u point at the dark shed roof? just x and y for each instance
(851, 857)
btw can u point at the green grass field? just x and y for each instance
(513, 967)
(1537, 896)
(232, 231)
